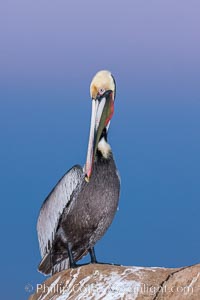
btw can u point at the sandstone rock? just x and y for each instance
(111, 282)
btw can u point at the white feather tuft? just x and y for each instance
(104, 148)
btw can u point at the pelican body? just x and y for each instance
(82, 205)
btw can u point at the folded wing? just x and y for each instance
(54, 205)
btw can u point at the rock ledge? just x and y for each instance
(111, 282)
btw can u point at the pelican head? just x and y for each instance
(102, 92)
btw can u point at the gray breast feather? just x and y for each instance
(54, 205)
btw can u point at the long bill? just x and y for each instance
(102, 111)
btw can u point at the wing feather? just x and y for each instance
(54, 205)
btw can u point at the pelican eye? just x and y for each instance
(101, 91)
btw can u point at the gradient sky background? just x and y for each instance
(49, 52)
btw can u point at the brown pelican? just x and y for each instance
(82, 205)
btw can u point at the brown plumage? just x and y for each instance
(82, 205)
